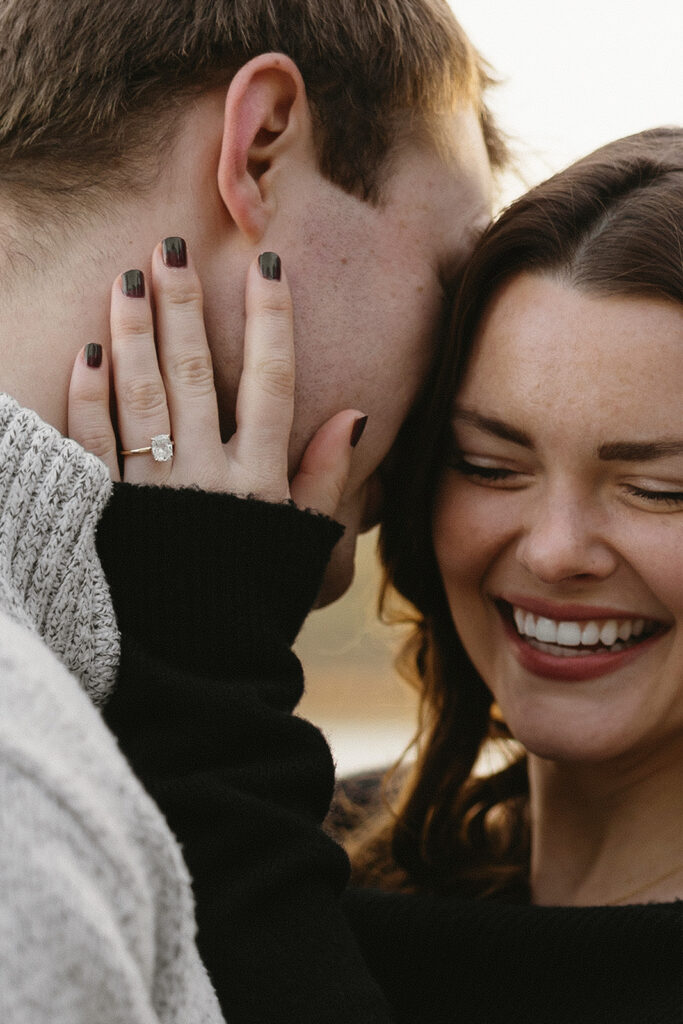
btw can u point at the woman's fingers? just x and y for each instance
(187, 368)
(142, 410)
(319, 484)
(265, 400)
(89, 419)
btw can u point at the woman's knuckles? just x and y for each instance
(99, 442)
(271, 301)
(183, 299)
(135, 326)
(193, 371)
(320, 491)
(88, 395)
(141, 396)
(273, 375)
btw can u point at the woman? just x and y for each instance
(535, 523)
(567, 339)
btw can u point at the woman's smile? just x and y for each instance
(574, 643)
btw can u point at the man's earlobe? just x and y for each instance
(266, 116)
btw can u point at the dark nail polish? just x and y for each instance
(133, 284)
(93, 355)
(270, 266)
(357, 431)
(174, 252)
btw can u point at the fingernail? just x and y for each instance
(93, 355)
(133, 284)
(270, 266)
(174, 252)
(357, 431)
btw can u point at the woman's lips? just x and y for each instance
(576, 649)
(565, 611)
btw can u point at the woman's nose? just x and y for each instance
(563, 539)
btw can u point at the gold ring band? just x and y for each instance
(137, 451)
(161, 448)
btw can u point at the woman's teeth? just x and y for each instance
(564, 637)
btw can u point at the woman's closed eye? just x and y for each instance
(487, 471)
(664, 498)
(495, 471)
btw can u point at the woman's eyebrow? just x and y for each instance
(611, 451)
(662, 448)
(494, 426)
(639, 451)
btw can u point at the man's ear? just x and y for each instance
(266, 116)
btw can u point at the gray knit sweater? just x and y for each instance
(96, 912)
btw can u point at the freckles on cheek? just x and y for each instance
(654, 552)
(455, 533)
(468, 533)
(662, 571)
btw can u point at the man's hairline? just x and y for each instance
(95, 203)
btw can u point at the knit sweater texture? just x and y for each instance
(96, 917)
(52, 494)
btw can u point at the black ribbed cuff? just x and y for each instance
(200, 576)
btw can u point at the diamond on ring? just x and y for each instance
(162, 448)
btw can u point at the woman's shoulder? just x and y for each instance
(503, 962)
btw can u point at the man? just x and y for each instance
(362, 161)
(351, 138)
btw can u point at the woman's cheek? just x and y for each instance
(469, 526)
(651, 546)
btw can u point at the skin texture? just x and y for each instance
(242, 178)
(574, 371)
(369, 342)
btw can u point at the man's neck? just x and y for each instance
(55, 282)
(50, 309)
(39, 340)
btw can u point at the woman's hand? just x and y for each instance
(167, 388)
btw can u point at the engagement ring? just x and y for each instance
(160, 448)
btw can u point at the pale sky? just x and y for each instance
(576, 75)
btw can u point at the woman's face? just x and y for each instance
(558, 525)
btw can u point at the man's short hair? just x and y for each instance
(90, 90)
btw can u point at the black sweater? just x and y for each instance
(210, 592)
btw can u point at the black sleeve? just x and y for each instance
(210, 592)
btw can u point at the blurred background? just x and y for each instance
(572, 77)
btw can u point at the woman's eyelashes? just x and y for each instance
(487, 470)
(492, 473)
(671, 499)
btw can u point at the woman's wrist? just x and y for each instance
(190, 570)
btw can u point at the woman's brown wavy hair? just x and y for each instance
(611, 224)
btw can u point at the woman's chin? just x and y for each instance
(579, 735)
